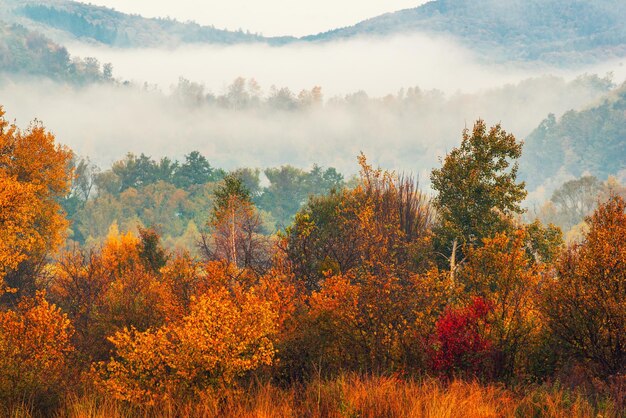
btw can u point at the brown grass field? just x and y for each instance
(364, 397)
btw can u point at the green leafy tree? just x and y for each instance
(251, 180)
(290, 187)
(232, 187)
(286, 194)
(477, 188)
(195, 170)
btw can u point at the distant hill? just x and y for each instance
(556, 31)
(588, 141)
(110, 27)
(27, 53)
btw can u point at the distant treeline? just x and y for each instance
(113, 28)
(177, 197)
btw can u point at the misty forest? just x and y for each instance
(422, 214)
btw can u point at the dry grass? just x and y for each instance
(356, 396)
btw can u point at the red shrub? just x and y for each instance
(461, 345)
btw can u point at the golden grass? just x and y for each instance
(356, 396)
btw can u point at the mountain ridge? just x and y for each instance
(532, 30)
(553, 31)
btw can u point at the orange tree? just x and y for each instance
(383, 221)
(119, 286)
(226, 335)
(374, 322)
(585, 305)
(504, 273)
(361, 259)
(34, 352)
(34, 176)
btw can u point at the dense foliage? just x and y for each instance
(354, 285)
(177, 197)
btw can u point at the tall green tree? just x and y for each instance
(477, 188)
(232, 187)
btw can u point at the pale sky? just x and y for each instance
(269, 17)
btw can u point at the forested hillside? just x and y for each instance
(100, 24)
(557, 31)
(590, 141)
(554, 31)
(27, 53)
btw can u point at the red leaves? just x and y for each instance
(461, 345)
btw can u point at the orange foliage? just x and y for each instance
(34, 351)
(377, 299)
(221, 339)
(585, 306)
(502, 272)
(34, 173)
(136, 297)
(17, 215)
(185, 279)
(376, 322)
(381, 227)
(107, 291)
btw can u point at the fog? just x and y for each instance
(407, 131)
(105, 122)
(376, 65)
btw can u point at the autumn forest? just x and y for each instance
(374, 298)
(364, 209)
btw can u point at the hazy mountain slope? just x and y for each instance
(107, 26)
(27, 53)
(548, 30)
(588, 141)
(555, 31)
